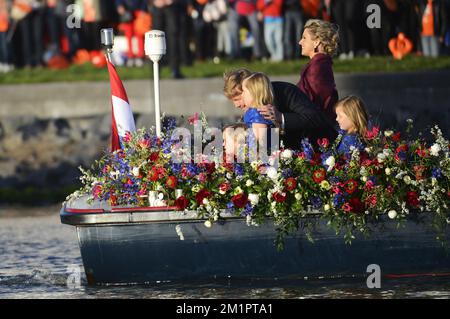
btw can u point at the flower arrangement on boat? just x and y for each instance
(391, 177)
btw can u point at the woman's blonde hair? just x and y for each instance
(326, 32)
(355, 109)
(259, 86)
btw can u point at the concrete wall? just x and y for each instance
(47, 130)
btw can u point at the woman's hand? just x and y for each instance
(271, 113)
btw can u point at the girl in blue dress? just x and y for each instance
(256, 91)
(352, 117)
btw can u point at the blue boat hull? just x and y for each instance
(144, 247)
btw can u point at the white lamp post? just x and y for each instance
(155, 48)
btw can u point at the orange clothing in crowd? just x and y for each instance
(428, 20)
(273, 8)
(4, 18)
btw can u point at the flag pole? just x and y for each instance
(155, 48)
(107, 38)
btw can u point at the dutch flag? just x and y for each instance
(122, 117)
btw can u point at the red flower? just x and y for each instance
(369, 185)
(351, 186)
(201, 195)
(357, 205)
(290, 184)
(370, 134)
(193, 119)
(422, 152)
(144, 144)
(113, 200)
(224, 187)
(323, 142)
(396, 137)
(240, 200)
(412, 199)
(127, 137)
(154, 156)
(181, 203)
(96, 191)
(347, 207)
(319, 175)
(153, 174)
(317, 159)
(354, 205)
(171, 182)
(279, 197)
(371, 201)
(210, 167)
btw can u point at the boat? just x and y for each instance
(141, 245)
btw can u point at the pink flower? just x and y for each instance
(127, 137)
(370, 134)
(323, 142)
(369, 185)
(193, 119)
(371, 201)
(202, 177)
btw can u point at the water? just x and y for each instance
(37, 253)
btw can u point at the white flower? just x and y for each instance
(272, 172)
(286, 154)
(249, 183)
(254, 199)
(330, 162)
(208, 224)
(248, 220)
(387, 171)
(160, 196)
(433, 181)
(364, 178)
(135, 171)
(407, 180)
(434, 149)
(205, 201)
(326, 207)
(298, 196)
(387, 152)
(392, 214)
(254, 165)
(381, 157)
(238, 190)
(388, 133)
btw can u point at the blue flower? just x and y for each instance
(248, 210)
(316, 202)
(307, 149)
(286, 173)
(239, 170)
(338, 200)
(436, 172)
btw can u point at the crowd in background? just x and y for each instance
(33, 31)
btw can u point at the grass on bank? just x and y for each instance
(87, 72)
